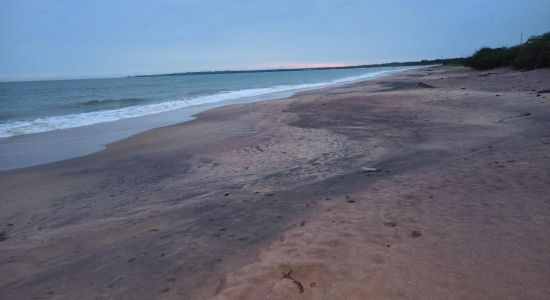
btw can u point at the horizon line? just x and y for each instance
(230, 71)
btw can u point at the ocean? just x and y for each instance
(40, 106)
(48, 121)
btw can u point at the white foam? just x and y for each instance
(20, 127)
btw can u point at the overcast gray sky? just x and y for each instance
(71, 39)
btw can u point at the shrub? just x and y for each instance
(488, 58)
(535, 53)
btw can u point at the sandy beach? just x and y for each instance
(269, 200)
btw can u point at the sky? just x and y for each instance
(54, 39)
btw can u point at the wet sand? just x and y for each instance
(268, 200)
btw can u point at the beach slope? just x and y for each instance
(277, 199)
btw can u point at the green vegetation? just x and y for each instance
(533, 54)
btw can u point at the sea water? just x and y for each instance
(46, 121)
(38, 106)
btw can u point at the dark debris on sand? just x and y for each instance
(296, 282)
(416, 233)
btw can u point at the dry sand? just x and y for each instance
(268, 200)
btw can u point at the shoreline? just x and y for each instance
(40, 148)
(223, 205)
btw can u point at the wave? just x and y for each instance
(109, 103)
(20, 127)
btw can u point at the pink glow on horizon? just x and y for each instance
(297, 65)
